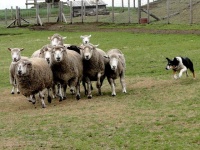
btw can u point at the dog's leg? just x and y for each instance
(174, 73)
(182, 71)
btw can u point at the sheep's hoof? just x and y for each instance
(18, 92)
(78, 97)
(33, 102)
(43, 106)
(60, 100)
(12, 92)
(89, 96)
(113, 95)
(49, 99)
(64, 98)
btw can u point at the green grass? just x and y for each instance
(158, 112)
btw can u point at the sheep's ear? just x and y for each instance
(81, 37)
(64, 38)
(28, 63)
(95, 46)
(89, 36)
(9, 49)
(106, 56)
(21, 49)
(49, 38)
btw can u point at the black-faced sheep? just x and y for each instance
(115, 68)
(67, 69)
(33, 76)
(93, 67)
(16, 56)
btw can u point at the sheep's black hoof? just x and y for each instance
(113, 95)
(49, 99)
(18, 92)
(43, 106)
(78, 97)
(89, 96)
(64, 98)
(60, 100)
(12, 93)
(33, 102)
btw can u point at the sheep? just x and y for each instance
(16, 56)
(67, 69)
(93, 67)
(115, 68)
(85, 39)
(57, 39)
(33, 76)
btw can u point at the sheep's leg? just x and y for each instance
(53, 91)
(73, 82)
(99, 83)
(60, 93)
(13, 90)
(64, 91)
(122, 81)
(41, 95)
(48, 96)
(32, 99)
(78, 95)
(17, 86)
(89, 88)
(112, 84)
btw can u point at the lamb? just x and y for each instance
(93, 67)
(115, 68)
(67, 69)
(57, 39)
(85, 39)
(16, 56)
(33, 76)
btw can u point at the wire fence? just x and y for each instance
(160, 11)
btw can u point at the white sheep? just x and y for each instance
(93, 67)
(16, 56)
(67, 69)
(33, 76)
(85, 39)
(57, 39)
(116, 68)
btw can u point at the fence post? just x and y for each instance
(139, 11)
(112, 11)
(168, 11)
(6, 16)
(122, 5)
(11, 12)
(133, 3)
(191, 12)
(97, 11)
(129, 14)
(148, 11)
(71, 12)
(82, 11)
(48, 11)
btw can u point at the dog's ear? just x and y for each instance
(168, 59)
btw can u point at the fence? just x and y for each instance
(160, 11)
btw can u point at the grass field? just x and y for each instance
(157, 112)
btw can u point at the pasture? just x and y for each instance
(157, 112)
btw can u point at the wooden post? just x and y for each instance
(139, 11)
(18, 18)
(191, 12)
(122, 5)
(12, 13)
(48, 11)
(148, 18)
(133, 3)
(6, 21)
(113, 11)
(82, 11)
(97, 11)
(168, 1)
(71, 12)
(129, 14)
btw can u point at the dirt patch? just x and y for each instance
(107, 27)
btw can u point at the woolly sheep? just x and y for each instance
(33, 76)
(93, 67)
(115, 68)
(85, 39)
(16, 56)
(67, 69)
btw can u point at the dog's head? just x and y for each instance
(172, 64)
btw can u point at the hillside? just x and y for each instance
(179, 11)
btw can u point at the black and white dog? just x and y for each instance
(180, 64)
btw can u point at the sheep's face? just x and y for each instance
(113, 61)
(15, 53)
(56, 40)
(47, 53)
(23, 68)
(85, 39)
(58, 53)
(87, 52)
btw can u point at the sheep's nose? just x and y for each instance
(113, 67)
(19, 72)
(87, 57)
(15, 59)
(58, 58)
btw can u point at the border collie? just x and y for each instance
(180, 64)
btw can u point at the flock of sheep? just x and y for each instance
(57, 65)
